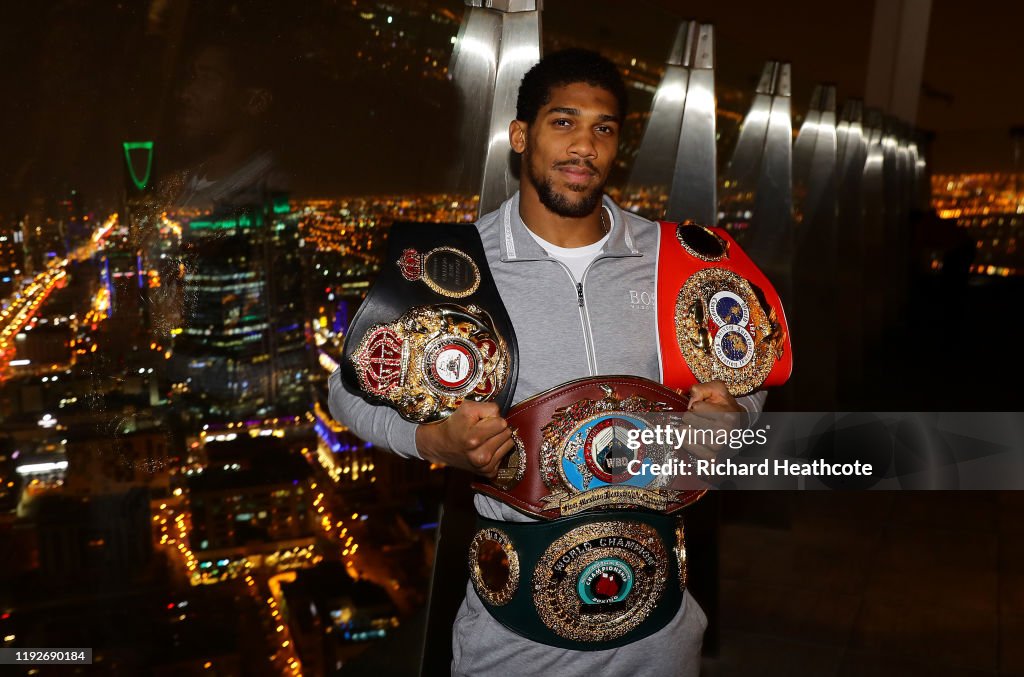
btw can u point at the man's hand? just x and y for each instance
(712, 408)
(473, 438)
(712, 396)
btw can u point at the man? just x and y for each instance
(574, 272)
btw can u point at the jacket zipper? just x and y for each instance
(588, 337)
(585, 318)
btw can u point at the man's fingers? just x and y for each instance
(712, 391)
(485, 429)
(716, 416)
(711, 409)
(482, 455)
(477, 411)
(703, 452)
(491, 469)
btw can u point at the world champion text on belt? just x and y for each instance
(606, 566)
(587, 582)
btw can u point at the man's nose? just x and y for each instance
(583, 145)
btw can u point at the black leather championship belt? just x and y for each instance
(432, 330)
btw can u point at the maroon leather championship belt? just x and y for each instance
(719, 317)
(581, 446)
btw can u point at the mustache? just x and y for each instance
(577, 163)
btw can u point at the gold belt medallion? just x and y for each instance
(591, 457)
(494, 566)
(724, 331)
(600, 580)
(431, 358)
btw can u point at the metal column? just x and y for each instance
(677, 151)
(814, 309)
(498, 42)
(852, 154)
(872, 272)
(757, 195)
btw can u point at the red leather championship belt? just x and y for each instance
(718, 315)
(578, 446)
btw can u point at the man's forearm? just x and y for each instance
(377, 424)
(754, 405)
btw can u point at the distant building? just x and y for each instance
(93, 538)
(111, 464)
(989, 210)
(242, 349)
(329, 613)
(12, 258)
(254, 511)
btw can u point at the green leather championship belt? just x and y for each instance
(588, 582)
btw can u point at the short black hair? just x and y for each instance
(566, 67)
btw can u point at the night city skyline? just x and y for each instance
(195, 199)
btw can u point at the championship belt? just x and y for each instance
(432, 330)
(718, 315)
(593, 581)
(577, 448)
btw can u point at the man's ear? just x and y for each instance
(259, 101)
(517, 135)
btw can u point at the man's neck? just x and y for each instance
(561, 231)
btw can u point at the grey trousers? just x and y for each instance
(481, 646)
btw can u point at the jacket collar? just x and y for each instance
(517, 244)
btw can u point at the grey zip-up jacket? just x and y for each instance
(604, 324)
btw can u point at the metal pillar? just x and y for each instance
(741, 174)
(922, 173)
(498, 42)
(678, 146)
(757, 195)
(814, 309)
(852, 154)
(814, 169)
(899, 35)
(894, 248)
(874, 268)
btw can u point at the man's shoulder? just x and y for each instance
(642, 231)
(636, 222)
(489, 222)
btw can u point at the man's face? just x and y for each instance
(569, 149)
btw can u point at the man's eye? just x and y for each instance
(562, 122)
(605, 129)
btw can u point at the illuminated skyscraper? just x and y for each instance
(242, 349)
(12, 258)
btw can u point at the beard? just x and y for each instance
(558, 203)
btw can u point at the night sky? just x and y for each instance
(82, 76)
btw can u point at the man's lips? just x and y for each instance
(576, 174)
